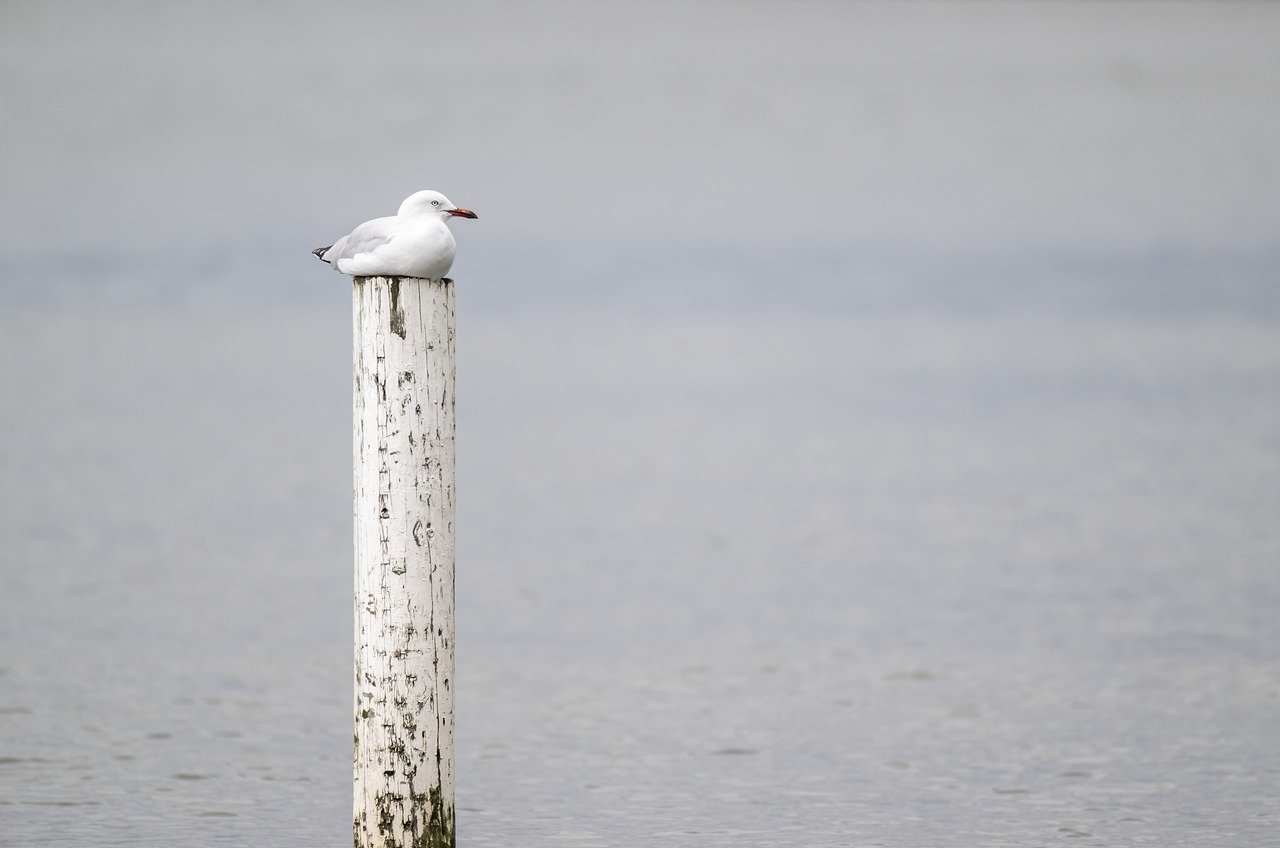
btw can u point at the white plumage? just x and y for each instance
(415, 242)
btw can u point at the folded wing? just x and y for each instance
(365, 238)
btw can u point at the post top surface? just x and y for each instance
(390, 278)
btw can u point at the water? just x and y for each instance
(892, 533)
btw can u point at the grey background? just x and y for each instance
(869, 417)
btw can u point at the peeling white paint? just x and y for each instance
(404, 595)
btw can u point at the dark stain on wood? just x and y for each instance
(397, 312)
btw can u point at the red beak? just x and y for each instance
(463, 213)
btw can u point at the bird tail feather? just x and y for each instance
(319, 253)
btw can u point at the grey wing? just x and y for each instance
(364, 238)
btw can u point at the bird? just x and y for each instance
(414, 242)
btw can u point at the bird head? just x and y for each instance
(432, 204)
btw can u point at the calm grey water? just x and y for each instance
(928, 499)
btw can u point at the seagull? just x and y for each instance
(414, 242)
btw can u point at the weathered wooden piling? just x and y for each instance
(404, 594)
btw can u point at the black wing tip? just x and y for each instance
(319, 253)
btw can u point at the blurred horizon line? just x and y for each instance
(701, 274)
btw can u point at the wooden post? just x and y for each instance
(404, 496)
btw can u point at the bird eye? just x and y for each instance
(435, 203)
